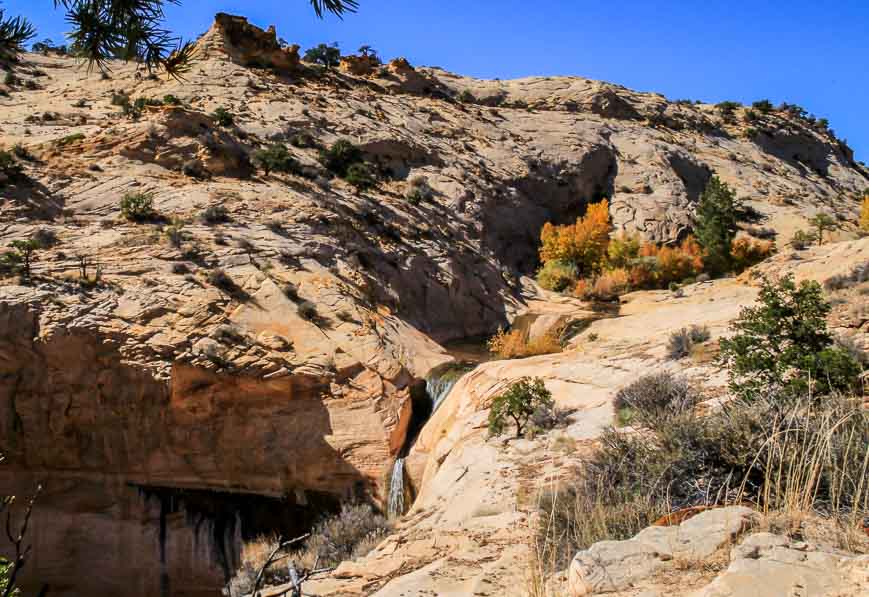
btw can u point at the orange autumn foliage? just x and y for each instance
(746, 252)
(584, 243)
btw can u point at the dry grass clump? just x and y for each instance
(348, 535)
(654, 399)
(254, 555)
(684, 340)
(516, 345)
(792, 460)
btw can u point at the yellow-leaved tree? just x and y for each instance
(583, 244)
(864, 214)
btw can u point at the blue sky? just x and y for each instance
(815, 54)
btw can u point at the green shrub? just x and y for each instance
(302, 140)
(137, 207)
(21, 152)
(194, 169)
(328, 56)
(44, 238)
(466, 97)
(418, 190)
(175, 233)
(223, 117)
(340, 156)
(130, 108)
(763, 106)
(557, 276)
(214, 214)
(359, 175)
(519, 402)
(9, 167)
(276, 158)
(784, 343)
(291, 292)
(220, 279)
(69, 139)
(727, 109)
(802, 240)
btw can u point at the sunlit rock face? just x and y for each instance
(152, 398)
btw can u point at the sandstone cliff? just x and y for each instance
(154, 378)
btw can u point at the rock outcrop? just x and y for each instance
(761, 564)
(768, 565)
(613, 566)
(247, 45)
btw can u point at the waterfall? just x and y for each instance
(439, 385)
(395, 505)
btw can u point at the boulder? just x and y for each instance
(768, 565)
(616, 565)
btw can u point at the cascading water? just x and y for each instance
(438, 386)
(395, 505)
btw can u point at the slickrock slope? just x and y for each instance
(163, 377)
(470, 530)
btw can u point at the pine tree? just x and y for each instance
(715, 225)
(822, 222)
(783, 344)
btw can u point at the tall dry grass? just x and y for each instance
(807, 461)
(515, 344)
(815, 459)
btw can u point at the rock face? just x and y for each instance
(767, 565)
(761, 564)
(247, 45)
(611, 566)
(359, 66)
(267, 335)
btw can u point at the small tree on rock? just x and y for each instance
(276, 158)
(25, 250)
(328, 56)
(783, 345)
(822, 222)
(715, 226)
(369, 52)
(521, 400)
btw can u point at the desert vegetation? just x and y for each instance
(516, 406)
(793, 440)
(515, 344)
(326, 55)
(137, 207)
(351, 533)
(588, 260)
